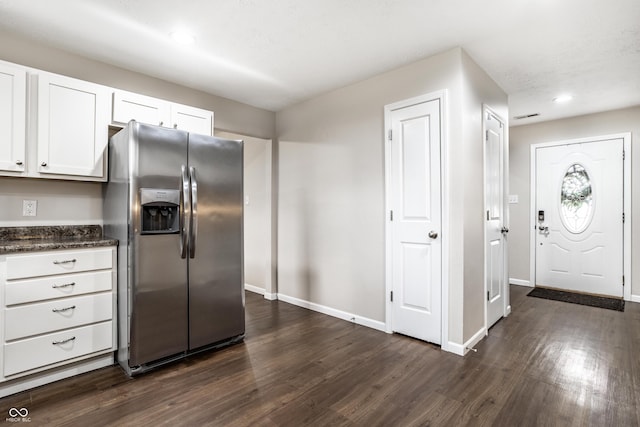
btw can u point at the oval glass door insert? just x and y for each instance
(576, 199)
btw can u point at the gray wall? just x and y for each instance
(331, 189)
(82, 202)
(522, 137)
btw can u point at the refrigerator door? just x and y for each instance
(216, 282)
(158, 276)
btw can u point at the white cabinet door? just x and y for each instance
(13, 96)
(144, 109)
(73, 122)
(192, 119)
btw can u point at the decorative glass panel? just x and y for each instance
(576, 199)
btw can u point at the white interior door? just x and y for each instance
(416, 225)
(495, 220)
(579, 217)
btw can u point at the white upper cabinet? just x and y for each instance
(192, 119)
(73, 121)
(145, 109)
(13, 113)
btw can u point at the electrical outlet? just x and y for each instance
(513, 198)
(29, 207)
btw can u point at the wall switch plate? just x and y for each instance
(29, 207)
(513, 198)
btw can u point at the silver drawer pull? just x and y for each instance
(66, 285)
(66, 261)
(60, 310)
(63, 341)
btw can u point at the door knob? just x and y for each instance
(433, 234)
(504, 230)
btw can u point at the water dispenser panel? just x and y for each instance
(160, 211)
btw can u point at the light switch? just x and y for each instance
(513, 198)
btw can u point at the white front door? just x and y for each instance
(416, 225)
(495, 218)
(579, 217)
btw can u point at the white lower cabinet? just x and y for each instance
(57, 315)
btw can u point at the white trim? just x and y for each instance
(635, 298)
(270, 296)
(350, 317)
(520, 282)
(462, 349)
(254, 289)
(441, 96)
(626, 143)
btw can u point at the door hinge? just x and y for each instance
(390, 136)
(488, 298)
(623, 217)
(622, 280)
(486, 135)
(624, 154)
(390, 215)
(391, 296)
(487, 215)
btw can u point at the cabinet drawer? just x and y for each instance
(44, 350)
(45, 317)
(46, 288)
(59, 262)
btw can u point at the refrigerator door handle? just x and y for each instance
(185, 213)
(193, 235)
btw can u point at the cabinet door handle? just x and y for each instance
(161, 123)
(66, 285)
(66, 261)
(175, 126)
(63, 341)
(60, 310)
(19, 162)
(43, 164)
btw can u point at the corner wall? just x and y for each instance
(522, 137)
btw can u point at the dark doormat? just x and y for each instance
(574, 298)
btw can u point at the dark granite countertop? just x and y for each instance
(45, 238)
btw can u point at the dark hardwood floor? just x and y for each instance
(549, 363)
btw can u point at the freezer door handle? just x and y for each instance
(185, 212)
(193, 235)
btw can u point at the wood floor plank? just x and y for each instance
(548, 363)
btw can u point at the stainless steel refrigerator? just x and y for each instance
(174, 200)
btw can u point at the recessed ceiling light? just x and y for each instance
(182, 37)
(562, 98)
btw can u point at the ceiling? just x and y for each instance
(273, 54)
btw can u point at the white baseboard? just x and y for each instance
(508, 312)
(354, 318)
(520, 282)
(254, 289)
(635, 298)
(270, 296)
(462, 349)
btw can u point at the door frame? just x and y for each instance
(506, 299)
(441, 97)
(626, 194)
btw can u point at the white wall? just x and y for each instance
(331, 189)
(477, 89)
(257, 211)
(522, 137)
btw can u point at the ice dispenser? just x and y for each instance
(160, 211)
